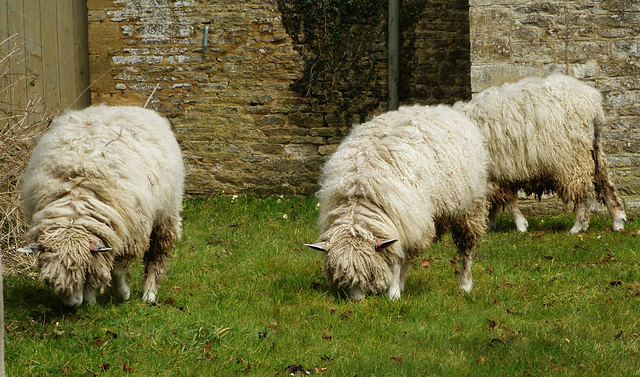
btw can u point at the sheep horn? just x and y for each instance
(320, 246)
(29, 249)
(99, 248)
(382, 243)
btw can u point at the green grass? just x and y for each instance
(243, 297)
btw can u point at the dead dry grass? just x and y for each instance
(21, 123)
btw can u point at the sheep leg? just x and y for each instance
(608, 190)
(615, 208)
(394, 288)
(161, 241)
(616, 211)
(466, 233)
(89, 295)
(582, 213)
(403, 274)
(465, 280)
(493, 213)
(399, 273)
(521, 222)
(119, 285)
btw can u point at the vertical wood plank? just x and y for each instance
(4, 20)
(51, 61)
(81, 53)
(33, 58)
(18, 85)
(66, 54)
(49, 43)
(5, 97)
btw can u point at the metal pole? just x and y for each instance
(394, 53)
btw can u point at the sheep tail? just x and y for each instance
(601, 176)
(605, 188)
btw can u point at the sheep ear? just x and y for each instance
(383, 243)
(34, 248)
(99, 248)
(319, 246)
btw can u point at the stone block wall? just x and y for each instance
(595, 40)
(240, 127)
(435, 54)
(245, 128)
(243, 124)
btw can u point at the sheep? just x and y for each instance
(391, 188)
(543, 136)
(103, 187)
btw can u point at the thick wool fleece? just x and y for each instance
(540, 134)
(401, 175)
(103, 174)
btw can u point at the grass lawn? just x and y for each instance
(242, 296)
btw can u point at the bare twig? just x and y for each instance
(151, 95)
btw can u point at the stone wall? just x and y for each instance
(596, 41)
(245, 123)
(241, 128)
(435, 53)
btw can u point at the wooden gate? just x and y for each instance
(44, 59)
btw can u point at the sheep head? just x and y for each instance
(356, 261)
(71, 259)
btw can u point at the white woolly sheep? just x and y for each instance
(104, 186)
(543, 136)
(392, 186)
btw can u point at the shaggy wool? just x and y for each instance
(543, 136)
(405, 174)
(102, 175)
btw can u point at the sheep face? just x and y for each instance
(357, 262)
(73, 261)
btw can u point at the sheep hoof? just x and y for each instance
(522, 225)
(123, 293)
(619, 224)
(120, 289)
(89, 296)
(466, 285)
(576, 229)
(149, 297)
(394, 293)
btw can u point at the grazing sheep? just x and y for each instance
(104, 186)
(543, 136)
(392, 186)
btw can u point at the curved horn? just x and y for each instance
(382, 243)
(320, 246)
(33, 248)
(99, 248)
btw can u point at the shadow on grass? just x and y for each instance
(33, 299)
(556, 224)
